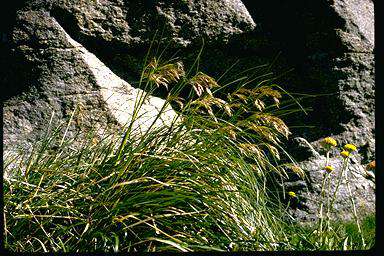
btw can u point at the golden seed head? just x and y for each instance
(371, 165)
(274, 151)
(163, 74)
(230, 131)
(296, 169)
(344, 154)
(202, 82)
(260, 105)
(271, 122)
(268, 91)
(350, 147)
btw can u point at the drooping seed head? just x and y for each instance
(371, 166)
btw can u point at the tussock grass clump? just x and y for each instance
(196, 184)
(199, 183)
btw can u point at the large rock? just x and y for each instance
(66, 78)
(52, 44)
(132, 23)
(361, 182)
(65, 53)
(331, 48)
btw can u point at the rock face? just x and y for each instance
(64, 55)
(306, 209)
(331, 47)
(59, 73)
(132, 22)
(65, 76)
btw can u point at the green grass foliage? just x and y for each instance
(197, 184)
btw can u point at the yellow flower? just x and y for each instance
(329, 168)
(344, 154)
(328, 143)
(292, 194)
(350, 147)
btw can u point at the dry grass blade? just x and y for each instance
(139, 180)
(176, 245)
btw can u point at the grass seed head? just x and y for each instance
(209, 101)
(203, 82)
(371, 166)
(263, 91)
(163, 74)
(247, 148)
(230, 131)
(259, 104)
(296, 169)
(273, 122)
(274, 151)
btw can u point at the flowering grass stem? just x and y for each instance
(339, 179)
(354, 210)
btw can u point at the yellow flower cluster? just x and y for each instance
(328, 143)
(344, 154)
(350, 147)
(329, 168)
(292, 194)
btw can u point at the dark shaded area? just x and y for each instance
(309, 45)
(14, 72)
(8, 17)
(15, 75)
